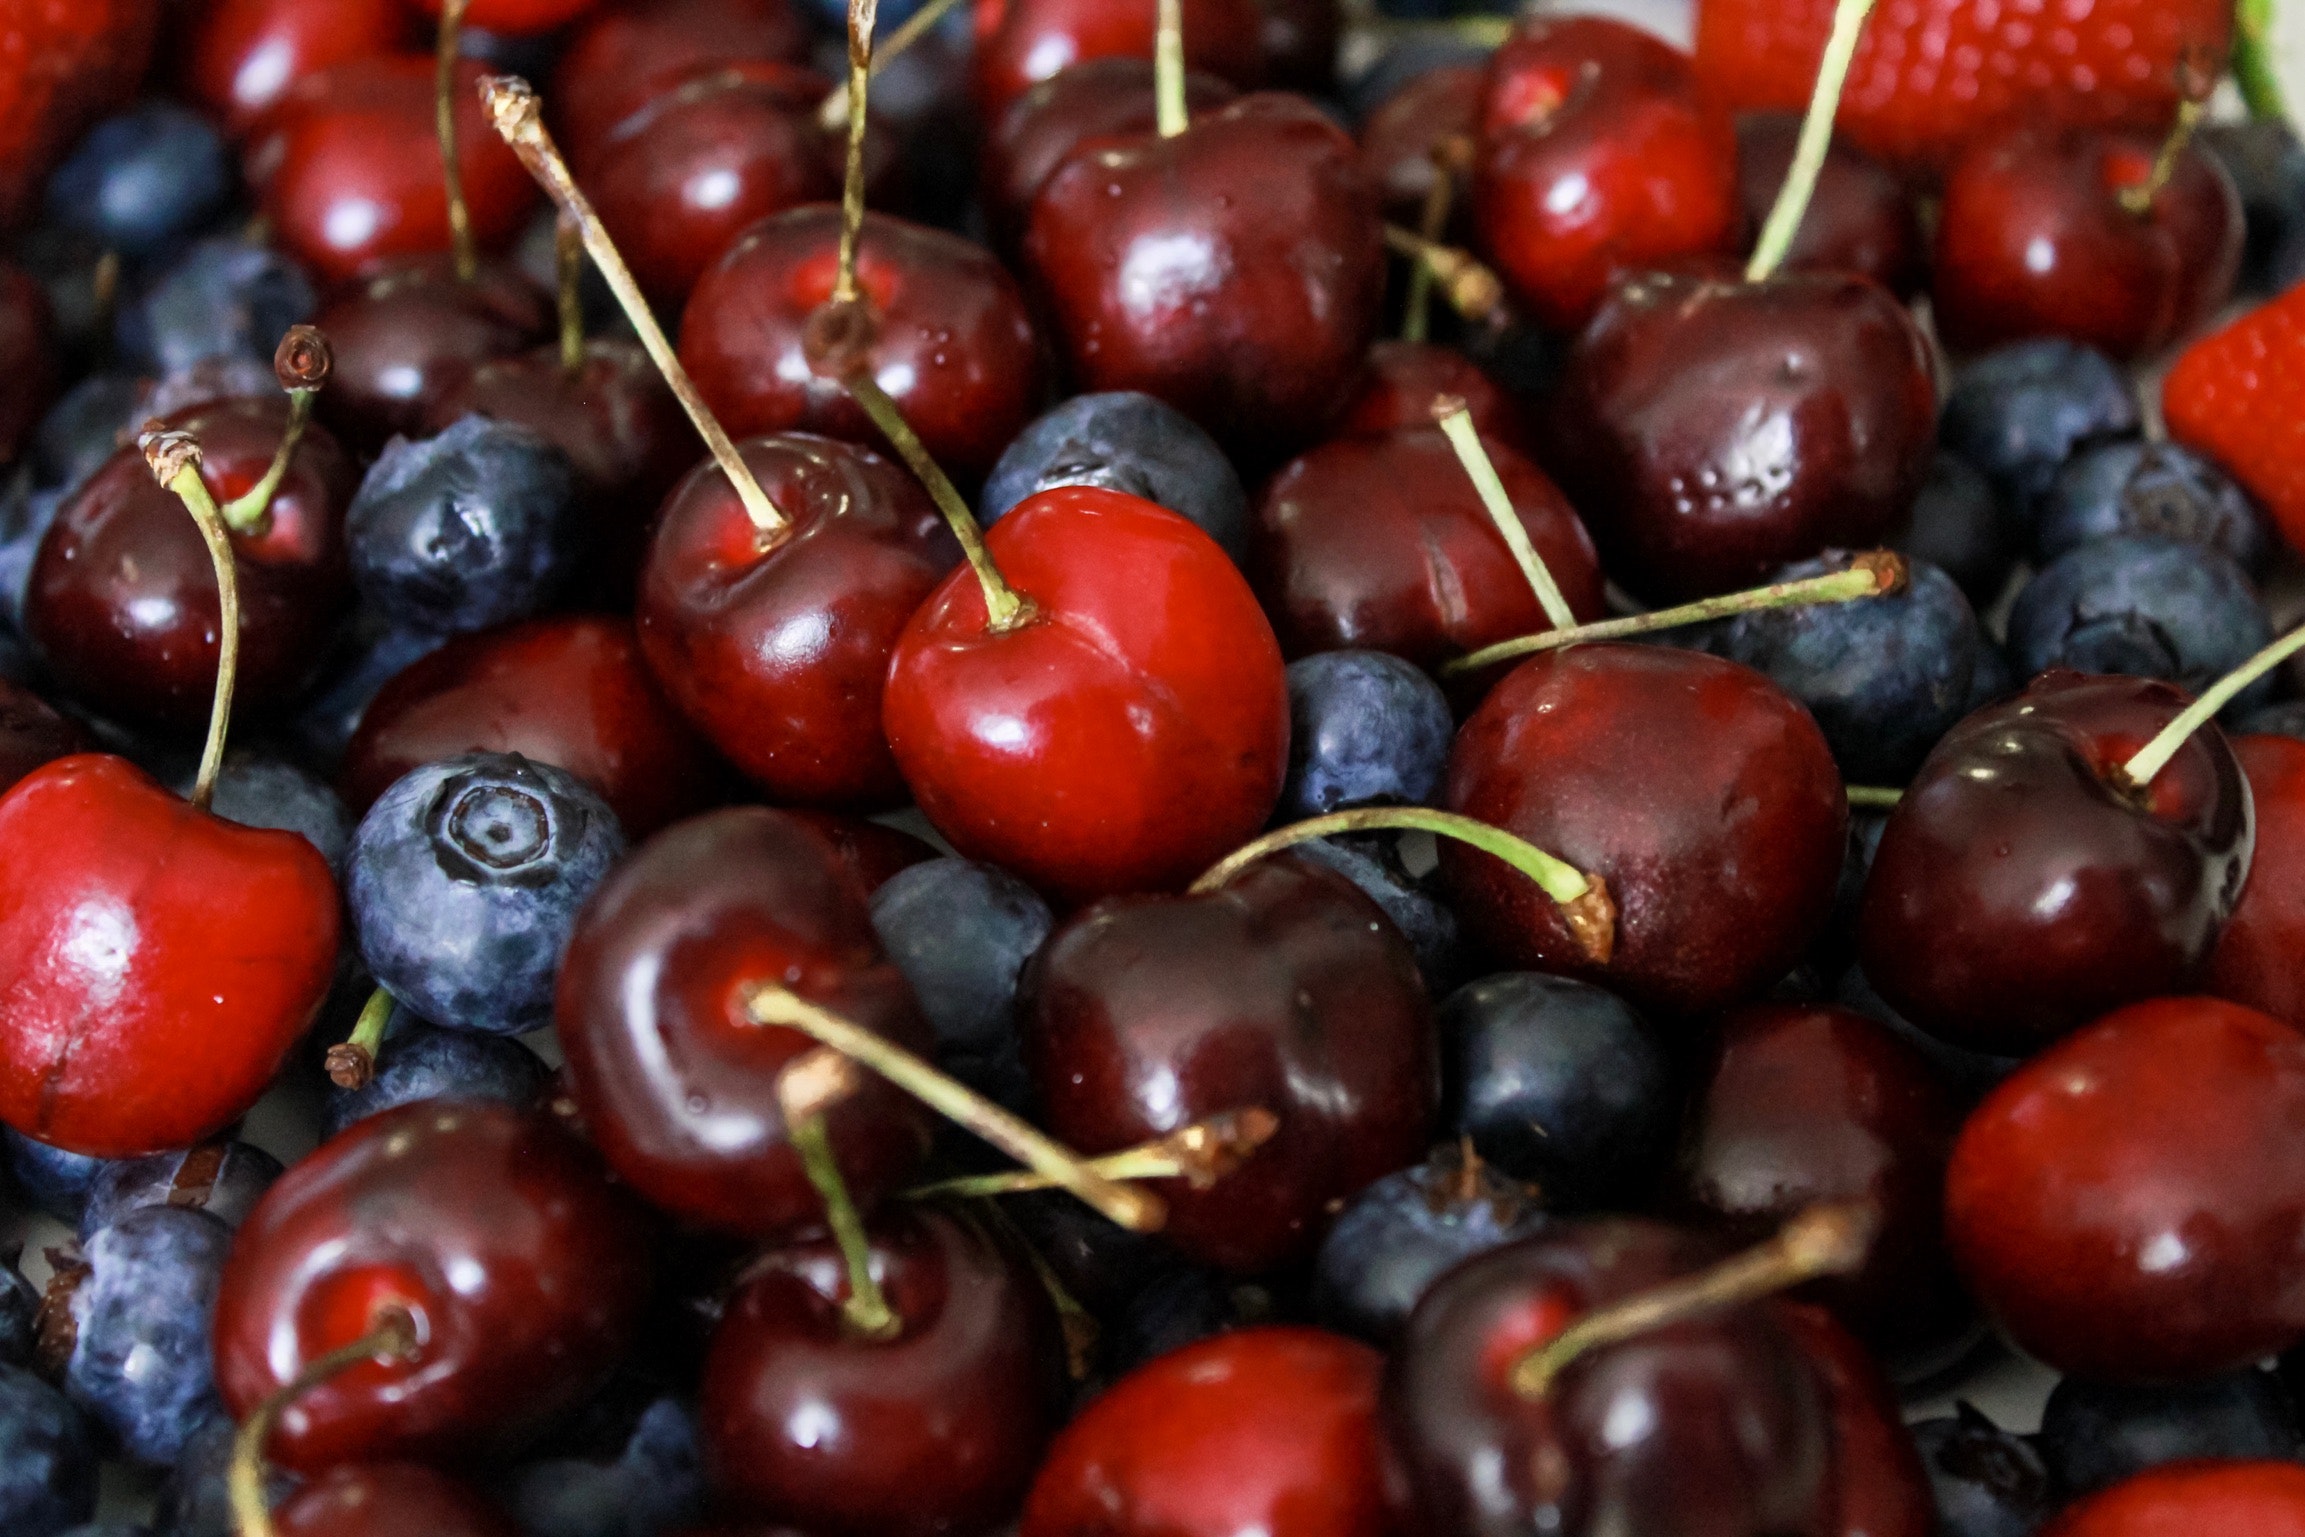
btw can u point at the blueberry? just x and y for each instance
(1971, 1075)
(1959, 527)
(2146, 608)
(1098, 1262)
(1987, 1482)
(224, 1179)
(207, 381)
(1559, 1083)
(144, 180)
(2019, 412)
(647, 1486)
(195, 1502)
(1373, 863)
(1399, 1234)
(19, 1315)
(1365, 729)
(17, 663)
(1994, 679)
(141, 1360)
(86, 426)
(1839, 941)
(377, 653)
(1129, 442)
(2163, 489)
(418, 1061)
(47, 1459)
(109, 1529)
(2094, 1434)
(225, 298)
(1176, 1308)
(257, 790)
(961, 933)
(55, 1181)
(2284, 719)
(465, 530)
(25, 515)
(464, 880)
(2267, 165)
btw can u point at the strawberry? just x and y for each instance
(1930, 73)
(2238, 396)
(63, 65)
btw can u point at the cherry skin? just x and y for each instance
(937, 1430)
(673, 1080)
(122, 596)
(623, 56)
(27, 358)
(2019, 893)
(1285, 991)
(1300, 41)
(1399, 139)
(1860, 219)
(2255, 961)
(162, 961)
(1405, 379)
(2033, 240)
(2264, 1499)
(1020, 43)
(1582, 752)
(32, 734)
(1127, 735)
(1077, 105)
(571, 691)
(246, 54)
(2129, 1204)
(777, 648)
(388, 1499)
(517, 18)
(872, 851)
(523, 1268)
(1235, 270)
(1268, 1430)
(1879, 1486)
(408, 334)
(1382, 543)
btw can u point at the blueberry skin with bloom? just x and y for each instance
(2019, 412)
(82, 429)
(652, 1484)
(962, 934)
(465, 530)
(141, 1362)
(223, 1179)
(25, 514)
(375, 654)
(2284, 719)
(1958, 526)
(2162, 489)
(2142, 607)
(19, 1315)
(143, 180)
(2095, 1434)
(1986, 1481)
(55, 1181)
(194, 1500)
(1125, 441)
(259, 790)
(1397, 1236)
(47, 1459)
(1365, 728)
(419, 1061)
(464, 880)
(1373, 863)
(226, 298)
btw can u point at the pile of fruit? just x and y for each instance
(1016, 770)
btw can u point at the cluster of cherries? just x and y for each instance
(1506, 950)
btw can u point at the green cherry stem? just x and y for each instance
(568, 271)
(351, 1064)
(174, 458)
(1200, 1154)
(833, 115)
(301, 364)
(391, 1337)
(1432, 223)
(1457, 422)
(861, 15)
(1816, 138)
(444, 125)
(808, 1087)
(1875, 797)
(1170, 113)
(1472, 290)
(2254, 69)
(2154, 756)
(2138, 198)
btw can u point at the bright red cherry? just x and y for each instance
(2130, 1205)
(1405, 379)
(1127, 734)
(1438, 111)
(67, 65)
(1261, 1430)
(1081, 103)
(517, 18)
(625, 54)
(247, 53)
(388, 1499)
(1879, 1486)
(27, 357)
(407, 334)
(1860, 219)
(1023, 42)
(32, 734)
(2264, 1499)
(2256, 959)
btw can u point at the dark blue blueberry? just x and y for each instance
(2146, 608)
(2284, 719)
(194, 1502)
(55, 1181)
(1987, 1482)
(141, 1359)
(47, 1459)
(17, 663)
(1971, 1075)
(258, 790)
(464, 880)
(109, 1529)
(1865, 829)
(1403, 62)
(225, 298)
(1395, 1237)
(2161, 489)
(530, 57)
(1958, 526)
(1176, 1308)
(223, 1179)
(1365, 729)
(19, 1315)
(2094, 1434)
(24, 518)
(375, 654)
(2267, 165)
(85, 427)
(1558, 1083)
(1129, 442)
(961, 933)
(417, 1061)
(465, 530)
(1994, 679)
(2019, 412)
(1373, 863)
(144, 180)
(646, 1487)
(1885, 677)
(1098, 1262)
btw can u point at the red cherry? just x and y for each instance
(410, 333)
(1261, 1430)
(2130, 1205)
(1879, 1486)
(27, 357)
(517, 18)
(32, 734)
(388, 1499)
(2264, 1499)
(1127, 735)
(872, 851)
(625, 54)
(1081, 103)
(1300, 40)
(1403, 381)
(247, 53)
(161, 962)
(2255, 961)
(1860, 219)
(65, 66)
(1023, 42)
(1399, 138)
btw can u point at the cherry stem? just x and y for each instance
(1816, 138)
(2138, 199)
(568, 267)
(1138, 1210)
(352, 1065)
(392, 1337)
(104, 296)
(1584, 899)
(444, 124)
(1873, 574)
(2254, 69)
(2154, 756)
(1170, 113)
(810, 1085)
(1200, 1154)
(174, 458)
(1457, 421)
(1078, 1323)
(1821, 1241)
(1472, 290)
(301, 364)
(861, 15)
(833, 115)
(1875, 797)
(518, 117)
(1433, 222)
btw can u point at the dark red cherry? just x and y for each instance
(388, 1499)
(2264, 1499)
(517, 18)
(1085, 102)
(1023, 42)
(1439, 110)
(624, 55)
(2034, 240)
(1734, 427)
(161, 962)
(777, 647)
(1267, 1430)
(1860, 219)
(2256, 959)
(1590, 753)
(27, 357)
(1405, 379)
(1383, 544)
(935, 1431)
(2130, 1206)
(2019, 892)
(1300, 40)
(673, 1080)
(32, 734)
(873, 851)
(951, 341)
(122, 596)
(246, 54)
(524, 1270)
(1285, 991)
(571, 691)
(1880, 1488)
(407, 335)
(1127, 735)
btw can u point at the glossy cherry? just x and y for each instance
(1575, 752)
(32, 734)
(246, 54)
(2255, 961)
(2020, 891)
(1404, 380)
(1132, 731)
(873, 851)
(1023, 42)
(2129, 1206)
(622, 56)
(408, 334)
(1860, 219)
(935, 1431)
(2264, 1499)
(1879, 1486)
(27, 357)
(1439, 111)
(1079, 104)
(388, 1499)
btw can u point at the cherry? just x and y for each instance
(389, 1499)
(2129, 1204)
(1860, 220)
(409, 334)
(522, 1269)
(1437, 113)
(1880, 1488)
(1080, 104)
(31, 734)
(1572, 751)
(1405, 380)
(671, 1075)
(246, 54)
(517, 18)
(1020, 43)
(1268, 1430)
(571, 691)
(873, 851)
(2255, 961)
(27, 358)
(2264, 1499)
(777, 645)
(1300, 39)
(2022, 888)
(937, 1429)
(1122, 730)
(624, 55)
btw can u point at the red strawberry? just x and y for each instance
(1930, 73)
(2238, 396)
(63, 64)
